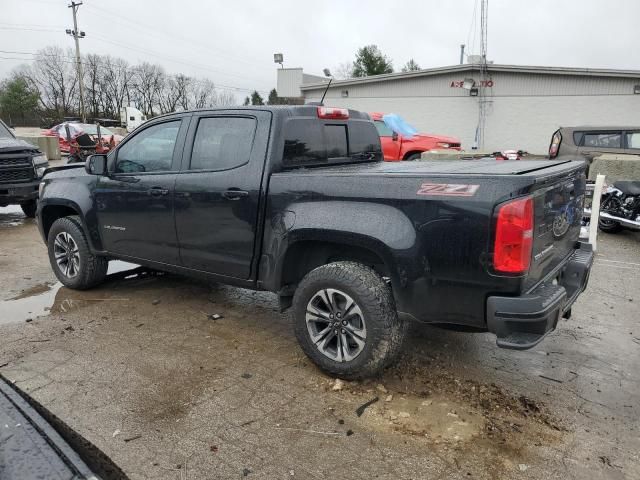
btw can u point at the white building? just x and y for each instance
(523, 105)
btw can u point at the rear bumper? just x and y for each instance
(522, 322)
(13, 193)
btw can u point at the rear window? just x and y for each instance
(310, 142)
(336, 138)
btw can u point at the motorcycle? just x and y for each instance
(620, 207)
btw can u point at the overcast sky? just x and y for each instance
(232, 42)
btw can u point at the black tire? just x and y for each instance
(385, 332)
(29, 208)
(414, 156)
(606, 225)
(91, 269)
(609, 226)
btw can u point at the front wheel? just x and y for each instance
(346, 321)
(29, 208)
(70, 257)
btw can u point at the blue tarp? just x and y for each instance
(396, 123)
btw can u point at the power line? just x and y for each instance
(154, 54)
(198, 44)
(166, 58)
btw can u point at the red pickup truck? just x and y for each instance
(398, 144)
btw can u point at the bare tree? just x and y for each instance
(202, 94)
(149, 81)
(226, 98)
(93, 83)
(54, 74)
(344, 71)
(117, 82)
(175, 93)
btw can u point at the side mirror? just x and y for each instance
(96, 164)
(394, 136)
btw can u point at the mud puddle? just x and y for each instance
(437, 418)
(12, 216)
(45, 298)
(434, 407)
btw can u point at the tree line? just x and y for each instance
(47, 89)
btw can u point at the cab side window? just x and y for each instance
(150, 150)
(383, 130)
(602, 140)
(633, 140)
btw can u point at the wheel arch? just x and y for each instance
(311, 250)
(50, 212)
(412, 152)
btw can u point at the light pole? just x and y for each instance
(76, 36)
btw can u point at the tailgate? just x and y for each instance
(558, 207)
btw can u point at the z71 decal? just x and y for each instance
(448, 189)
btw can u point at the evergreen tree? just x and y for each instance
(17, 98)
(370, 61)
(273, 98)
(256, 99)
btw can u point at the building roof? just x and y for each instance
(589, 72)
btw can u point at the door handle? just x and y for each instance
(235, 194)
(157, 191)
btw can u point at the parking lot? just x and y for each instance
(144, 368)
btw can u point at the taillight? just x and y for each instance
(514, 236)
(333, 113)
(555, 145)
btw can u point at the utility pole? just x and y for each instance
(461, 54)
(76, 36)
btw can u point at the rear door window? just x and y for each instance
(222, 143)
(602, 140)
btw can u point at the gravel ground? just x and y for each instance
(139, 368)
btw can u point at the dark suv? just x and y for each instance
(21, 168)
(589, 142)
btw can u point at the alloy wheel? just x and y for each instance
(336, 325)
(66, 254)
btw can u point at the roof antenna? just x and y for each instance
(327, 73)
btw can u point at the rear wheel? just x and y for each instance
(70, 257)
(610, 205)
(346, 321)
(29, 208)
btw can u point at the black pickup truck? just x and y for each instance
(297, 200)
(21, 168)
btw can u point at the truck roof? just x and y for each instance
(283, 110)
